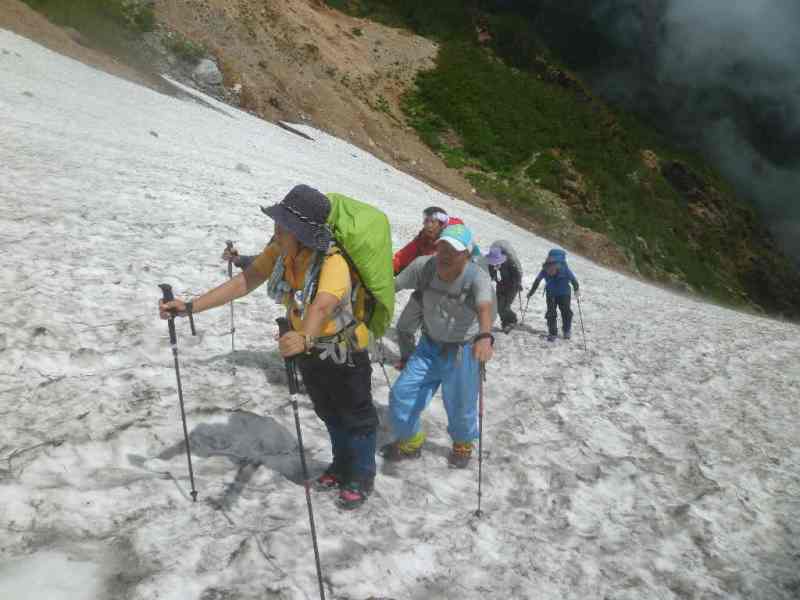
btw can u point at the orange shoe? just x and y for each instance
(460, 455)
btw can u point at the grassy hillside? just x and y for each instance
(104, 22)
(515, 121)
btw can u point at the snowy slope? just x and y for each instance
(661, 464)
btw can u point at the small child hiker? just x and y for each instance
(558, 278)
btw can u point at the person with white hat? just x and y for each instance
(458, 310)
(434, 220)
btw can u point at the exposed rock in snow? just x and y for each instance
(207, 73)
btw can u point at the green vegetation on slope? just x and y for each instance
(442, 19)
(514, 121)
(508, 119)
(105, 22)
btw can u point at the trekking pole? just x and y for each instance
(382, 362)
(166, 289)
(294, 389)
(229, 245)
(481, 379)
(525, 310)
(580, 314)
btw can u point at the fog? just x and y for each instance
(723, 76)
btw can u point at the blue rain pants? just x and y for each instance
(433, 364)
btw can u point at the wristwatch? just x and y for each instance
(483, 336)
(309, 341)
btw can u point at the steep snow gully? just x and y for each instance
(662, 463)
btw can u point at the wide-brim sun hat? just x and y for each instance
(304, 212)
(458, 236)
(495, 257)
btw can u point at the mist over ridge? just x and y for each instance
(719, 76)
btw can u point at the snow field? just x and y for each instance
(662, 463)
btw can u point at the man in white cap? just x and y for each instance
(434, 221)
(458, 310)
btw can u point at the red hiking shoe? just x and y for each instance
(329, 480)
(355, 493)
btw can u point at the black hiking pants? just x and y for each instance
(505, 302)
(342, 398)
(561, 303)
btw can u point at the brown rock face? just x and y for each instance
(299, 60)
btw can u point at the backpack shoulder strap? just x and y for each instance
(427, 275)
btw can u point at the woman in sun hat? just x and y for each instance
(323, 323)
(505, 271)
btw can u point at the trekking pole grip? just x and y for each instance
(229, 246)
(168, 296)
(284, 328)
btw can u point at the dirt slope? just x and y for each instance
(21, 19)
(301, 61)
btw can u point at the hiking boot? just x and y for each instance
(508, 327)
(552, 337)
(354, 493)
(396, 452)
(329, 480)
(460, 455)
(567, 335)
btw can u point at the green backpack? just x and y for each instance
(364, 238)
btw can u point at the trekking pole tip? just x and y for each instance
(479, 513)
(194, 495)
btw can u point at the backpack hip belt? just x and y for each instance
(339, 347)
(448, 347)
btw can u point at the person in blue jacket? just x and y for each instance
(558, 278)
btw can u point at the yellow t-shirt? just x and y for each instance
(334, 279)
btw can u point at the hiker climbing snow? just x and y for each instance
(308, 269)
(434, 220)
(558, 278)
(458, 309)
(506, 271)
